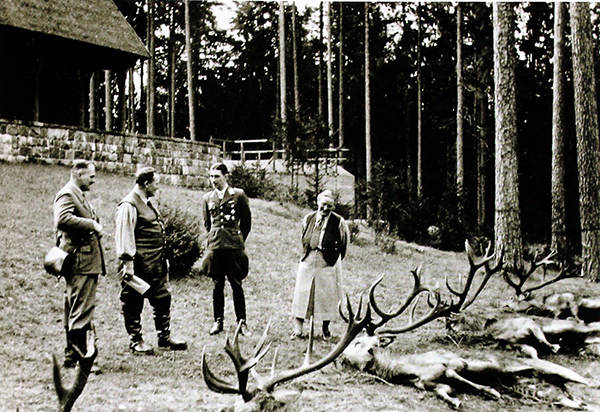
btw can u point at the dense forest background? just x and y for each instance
(412, 54)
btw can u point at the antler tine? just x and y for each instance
(68, 397)
(565, 272)
(309, 349)
(473, 258)
(213, 382)
(356, 323)
(439, 310)
(418, 288)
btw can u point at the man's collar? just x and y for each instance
(140, 193)
(221, 193)
(76, 188)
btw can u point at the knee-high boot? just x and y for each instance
(162, 322)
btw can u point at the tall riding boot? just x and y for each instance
(70, 354)
(162, 322)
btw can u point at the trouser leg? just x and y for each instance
(80, 302)
(239, 300)
(132, 304)
(218, 298)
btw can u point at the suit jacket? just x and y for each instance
(228, 220)
(74, 220)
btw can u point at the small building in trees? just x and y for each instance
(49, 50)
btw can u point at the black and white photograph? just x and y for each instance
(299, 205)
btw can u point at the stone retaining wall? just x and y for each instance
(180, 162)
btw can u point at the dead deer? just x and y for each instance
(67, 397)
(444, 372)
(557, 305)
(262, 394)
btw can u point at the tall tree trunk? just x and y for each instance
(108, 109)
(586, 124)
(282, 74)
(341, 98)
(460, 160)
(419, 110)
(320, 76)
(172, 71)
(93, 100)
(329, 71)
(190, 73)
(151, 69)
(508, 216)
(481, 149)
(559, 237)
(368, 108)
(295, 59)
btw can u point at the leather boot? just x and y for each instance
(217, 327)
(165, 341)
(141, 348)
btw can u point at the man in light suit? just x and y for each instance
(78, 232)
(227, 220)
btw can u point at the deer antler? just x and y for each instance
(522, 274)
(244, 365)
(67, 398)
(439, 307)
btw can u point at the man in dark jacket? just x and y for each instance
(227, 220)
(140, 240)
(78, 233)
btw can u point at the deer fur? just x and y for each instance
(443, 371)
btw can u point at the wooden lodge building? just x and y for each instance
(49, 50)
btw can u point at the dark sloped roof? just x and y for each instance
(97, 22)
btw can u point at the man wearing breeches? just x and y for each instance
(78, 233)
(227, 220)
(140, 242)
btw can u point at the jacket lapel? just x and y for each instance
(226, 196)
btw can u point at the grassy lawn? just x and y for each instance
(31, 313)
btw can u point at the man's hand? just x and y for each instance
(127, 272)
(98, 228)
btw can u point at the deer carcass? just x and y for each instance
(443, 371)
(532, 336)
(67, 397)
(262, 394)
(557, 305)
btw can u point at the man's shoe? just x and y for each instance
(172, 344)
(141, 348)
(244, 331)
(217, 327)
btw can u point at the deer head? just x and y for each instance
(265, 385)
(67, 397)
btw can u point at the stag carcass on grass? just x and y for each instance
(445, 372)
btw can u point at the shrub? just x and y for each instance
(183, 231)
(254, 181)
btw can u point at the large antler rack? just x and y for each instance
(518, 276)
(439, 307)
(245, 365)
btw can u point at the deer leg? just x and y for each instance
(539, 335)
(443, 391)
(491, 392)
